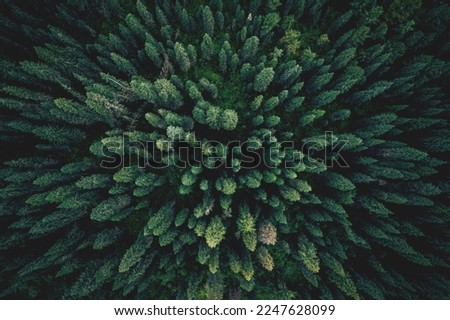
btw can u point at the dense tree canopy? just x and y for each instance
(106, 107)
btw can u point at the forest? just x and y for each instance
(212, 149)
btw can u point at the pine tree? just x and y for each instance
(112, 209)
(215, 232)
(270, 22)
(229, 119)
(162, 92)
(263, 79)
(214, 117)
(208, 21)
(123, 64)
(185, 21)
(151, 49)
(182, 57)
(267, 233)
(207, 47)
(265, 258)
(223, 60)
(226, 185)
(324, 98)
(250, 48)
(134, 253)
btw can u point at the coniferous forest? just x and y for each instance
(106, 106)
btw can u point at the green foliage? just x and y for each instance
(162, 92)
(208, 20)
(182, 57)
(307, 254)
(265, 259)
(58, 135)
(263, 79)
(229, 119)
(123, 64)
(207, 48)
(271, 20)
(195, 149)
(93, 181)
(291, 40)
(161, 220)
(215, 232)
(250, 48)
(134, 253)
(106, 238)
(112, 209)
(226, 185)
(400, 11)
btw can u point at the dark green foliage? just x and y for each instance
(263, 79)
(97, 81)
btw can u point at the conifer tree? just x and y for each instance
(207, 47)
(182, 57)
(208, 20)
(263, 79)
